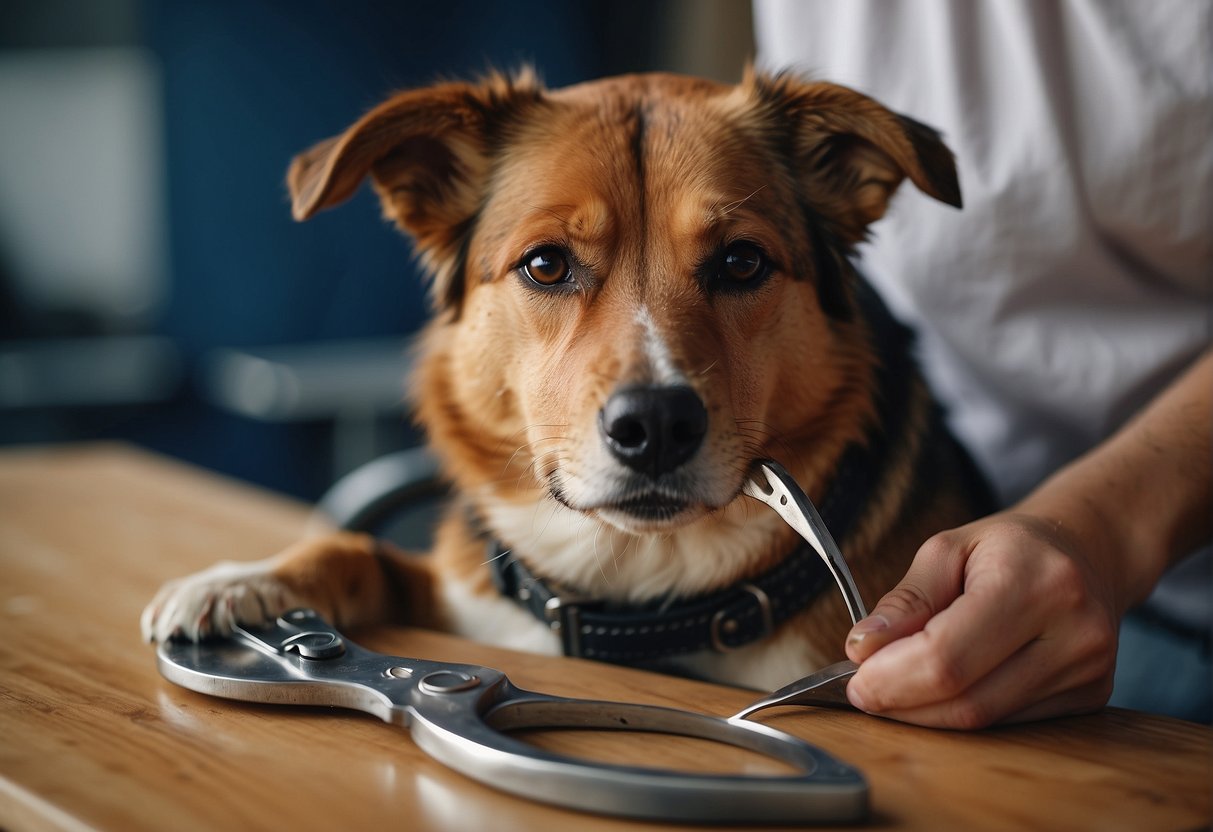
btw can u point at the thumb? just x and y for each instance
(933, 581)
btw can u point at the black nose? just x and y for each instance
(653, 429)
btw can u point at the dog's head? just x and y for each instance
(640, 283)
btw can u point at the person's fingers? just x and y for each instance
(1029, 676)
(934, 579)
(991, 620)
(941, 661)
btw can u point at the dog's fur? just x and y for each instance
(643, 181)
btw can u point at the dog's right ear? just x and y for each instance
(427, 152)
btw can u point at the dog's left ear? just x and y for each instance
(428, 153)
(850, 153)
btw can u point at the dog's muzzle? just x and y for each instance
(653, 429)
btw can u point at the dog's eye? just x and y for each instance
(743, 262)
(547, 266)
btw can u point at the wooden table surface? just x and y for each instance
(92, 736)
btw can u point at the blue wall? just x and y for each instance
(246, 86)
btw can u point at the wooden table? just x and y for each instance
(92, 736)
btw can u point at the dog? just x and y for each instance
(640, 286)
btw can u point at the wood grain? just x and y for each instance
(92, 737)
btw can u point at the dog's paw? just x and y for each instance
(211, 602)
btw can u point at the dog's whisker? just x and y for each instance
(533, 471)
(528, 446)
(597, 554)
(552, 460)
(620, 554)
(733, 206)
(551, 516)
(496, 557)
(766, 433)
(534, 458)
(518, 482)
(509, 437)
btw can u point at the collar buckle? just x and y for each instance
(727, 621)
(563, 615)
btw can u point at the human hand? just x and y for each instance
(1006, 619)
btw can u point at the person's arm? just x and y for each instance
(1015, 617)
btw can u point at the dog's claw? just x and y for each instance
(213, 602)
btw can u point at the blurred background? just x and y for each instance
(153, 288)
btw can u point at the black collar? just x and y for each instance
(647, 633)
(753, 609)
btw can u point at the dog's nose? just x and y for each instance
(653, 429)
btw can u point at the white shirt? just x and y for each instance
(1076, 283)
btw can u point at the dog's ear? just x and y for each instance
(428, 154)
(850, 153)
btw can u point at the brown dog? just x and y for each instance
(641, 286)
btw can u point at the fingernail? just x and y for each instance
(855, 699)
(866, 627)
